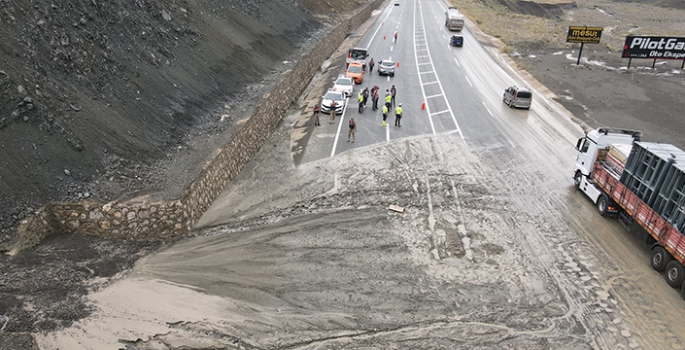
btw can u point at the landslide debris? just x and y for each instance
(109, 100)
(95, 96)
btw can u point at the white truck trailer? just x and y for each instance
(453, 19)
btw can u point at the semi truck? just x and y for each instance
(643, 184)
(453, 19)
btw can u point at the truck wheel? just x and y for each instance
(577, 180)
(675, 274)
(660, 258)
(602, 204)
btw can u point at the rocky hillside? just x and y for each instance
(99, 98)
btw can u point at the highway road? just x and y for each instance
(460, 88)
(494, 248)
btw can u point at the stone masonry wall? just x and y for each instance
(140, 220)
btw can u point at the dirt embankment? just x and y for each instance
(110, 100)
(101, 99)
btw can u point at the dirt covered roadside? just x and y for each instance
(601, 91)
(107, 100)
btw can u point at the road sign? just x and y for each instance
(584, 34)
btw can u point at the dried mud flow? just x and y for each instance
(111, 100)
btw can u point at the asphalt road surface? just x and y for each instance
(494, 248)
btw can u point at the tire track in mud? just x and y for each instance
(433, 184)
(547, 234)
(651, 305)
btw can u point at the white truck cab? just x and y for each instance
(597, 139)
(588, 148)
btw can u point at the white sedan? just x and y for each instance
(344, 84)
(330, 97)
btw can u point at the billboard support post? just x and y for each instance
(629, 60)
(654, 64)
(582, 35)
(580, 53)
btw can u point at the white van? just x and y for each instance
(519, 97)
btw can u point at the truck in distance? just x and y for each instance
(643, 183)
(453, 19)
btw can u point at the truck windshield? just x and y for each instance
(358, 54)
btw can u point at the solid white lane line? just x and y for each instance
(337, 134)
(442, 90)
(423, 91)
(379, 27)
(387, 130)
(429, 83)
(433, 96)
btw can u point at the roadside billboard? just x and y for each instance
(584, 34)
(655, 47)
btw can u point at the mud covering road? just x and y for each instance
(488, 254)
(336, 269)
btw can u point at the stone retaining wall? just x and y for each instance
(140, 220)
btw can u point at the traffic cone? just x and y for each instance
(423, 106)
(398, 64)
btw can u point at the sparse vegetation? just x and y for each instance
(531, 31)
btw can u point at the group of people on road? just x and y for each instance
(362, 99)
(390, 95)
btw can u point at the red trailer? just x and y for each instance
(604, 186)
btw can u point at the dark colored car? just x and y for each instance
(457, 40)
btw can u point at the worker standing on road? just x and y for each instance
(371, 64)
(365, 95)
(360, 99)
(334, 106)
(388, 98)
(374, 97)
(352, 130)
(398, 115)
(385, 114)
(395, 36)
(393, 92)
(316, 115)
